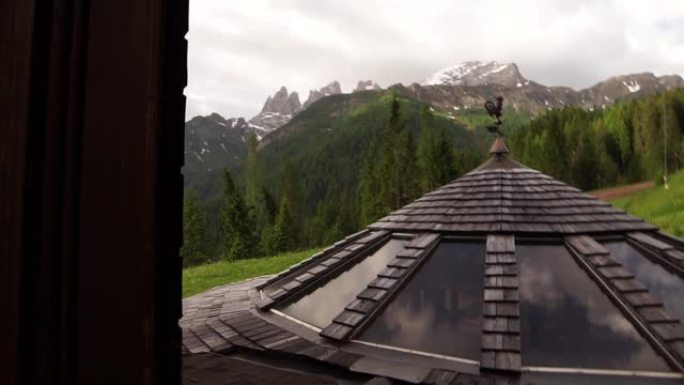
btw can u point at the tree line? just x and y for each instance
(248, 221)
(629, 142)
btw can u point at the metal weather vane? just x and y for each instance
(495, 110)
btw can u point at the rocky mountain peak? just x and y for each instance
(332, 88)
(282, 102)
(364, 85)
(477, 73)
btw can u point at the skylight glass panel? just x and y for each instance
(665, 285)
(326, 302)
(440, 309)
(566, 321)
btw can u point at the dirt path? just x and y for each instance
(621, 191)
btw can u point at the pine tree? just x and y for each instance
(397, 164)
(238, 227)
(282, 236)
(435, 154)
(252, 171)
(193, 250)
(291, 193)
(369, 186)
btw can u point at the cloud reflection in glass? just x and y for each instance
(567, 321)
(440, 309)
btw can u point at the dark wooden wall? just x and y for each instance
(91, 145)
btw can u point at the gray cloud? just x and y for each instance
(242, 51)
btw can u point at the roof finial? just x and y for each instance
(495, 110)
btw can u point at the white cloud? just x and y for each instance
(242, 51)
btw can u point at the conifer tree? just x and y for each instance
(239, 241)
(193, 249)
(435, 156)
(369, 186)
(397, 164)
(283, 237)
(252, 171)
(291, 193)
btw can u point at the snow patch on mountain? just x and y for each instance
(475, 73)
(633, 86)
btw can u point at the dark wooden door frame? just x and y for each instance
(91, 146)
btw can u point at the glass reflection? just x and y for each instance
(587, 379)
(664, 285)
(322, 305)
(440, 309)
(567, 321)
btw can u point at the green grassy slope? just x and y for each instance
(200, 278)
(664, 208)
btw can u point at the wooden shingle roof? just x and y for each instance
(499, 203)
(504, 196)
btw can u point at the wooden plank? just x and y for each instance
(677, 255)
(669, 331)
(409, 253)
(372, 237)
(492, 341)
(336, 331)
(392, 272)
(315, 270)
(495, 325)
(508, 361)
(349, 318)
(493, 270)
(612, 272)
(641, 299)
(372, 294)
(361, 305)
(506, 258)
(507, 282)
(304, 277)
(342, 254)
(382, 283)
(292, 285)
(500, 244)
(423, 241)
(511, 295)
(489, 309)
(401, 262)
(511, 342)
(628, 285)
(648, 240)
(602, 260)
(656, 314)
(330, 262)
(210, 338)
(488, 359)
(586, 245)
(507, 310)
(493, 295)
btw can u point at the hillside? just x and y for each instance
(326, 143)
(660, 206)
(456, 93)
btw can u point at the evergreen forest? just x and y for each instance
(341, 171)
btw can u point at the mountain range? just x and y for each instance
(455, 93)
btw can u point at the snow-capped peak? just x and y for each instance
(474, 73)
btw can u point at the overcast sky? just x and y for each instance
(239, 52)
